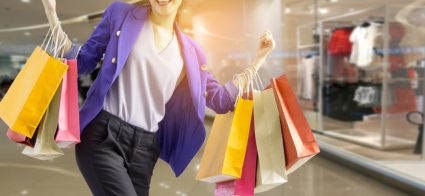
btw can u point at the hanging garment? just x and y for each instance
(365, 95)
(306, 74)
(338, 102)
(340, 42)
(363, 39)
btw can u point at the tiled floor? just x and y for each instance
(20, 175)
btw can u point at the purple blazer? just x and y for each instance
(182, 131)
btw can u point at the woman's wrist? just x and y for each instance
(49, 6)
(53, 19)
(258, 62)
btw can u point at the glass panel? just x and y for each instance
(365, 94)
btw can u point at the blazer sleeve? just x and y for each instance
(220, 98)
(89, 55)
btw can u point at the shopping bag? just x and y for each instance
(45, 147)
(299, 142)
(225, 149)
(245, 185)
(22, 139)
(69, 120)
(29, 95)
(271, 168)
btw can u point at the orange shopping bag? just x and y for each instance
(299, 142)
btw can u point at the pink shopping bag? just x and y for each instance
(68, 132)
(245, 185)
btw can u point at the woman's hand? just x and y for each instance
(266, 46)
(52, 17)
(49, 5)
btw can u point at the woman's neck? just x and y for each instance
(165, 22)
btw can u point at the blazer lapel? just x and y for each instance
(130, 30)
(192, 67)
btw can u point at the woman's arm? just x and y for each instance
(52, 17)
(221, 98)
(266, 46)
(89, 55)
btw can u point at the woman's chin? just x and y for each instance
(164, 7)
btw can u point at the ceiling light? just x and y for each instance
(27, 33)
(334, 1)
(24, 192)
(26, 1)
(197, 167)
(288, 10)
(323, 10)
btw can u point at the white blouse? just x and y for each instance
(146, 83)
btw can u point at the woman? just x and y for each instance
(149, 98)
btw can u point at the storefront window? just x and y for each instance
(361, 83)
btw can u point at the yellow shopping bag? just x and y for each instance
(225, 149)
(26, 101)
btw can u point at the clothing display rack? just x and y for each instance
(386, 67)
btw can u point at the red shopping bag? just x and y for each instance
(299, 142)
(22, 139)
(68, 132)
(245, 185)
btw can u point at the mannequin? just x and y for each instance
(412, 17)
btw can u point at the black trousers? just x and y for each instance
(116, 158)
